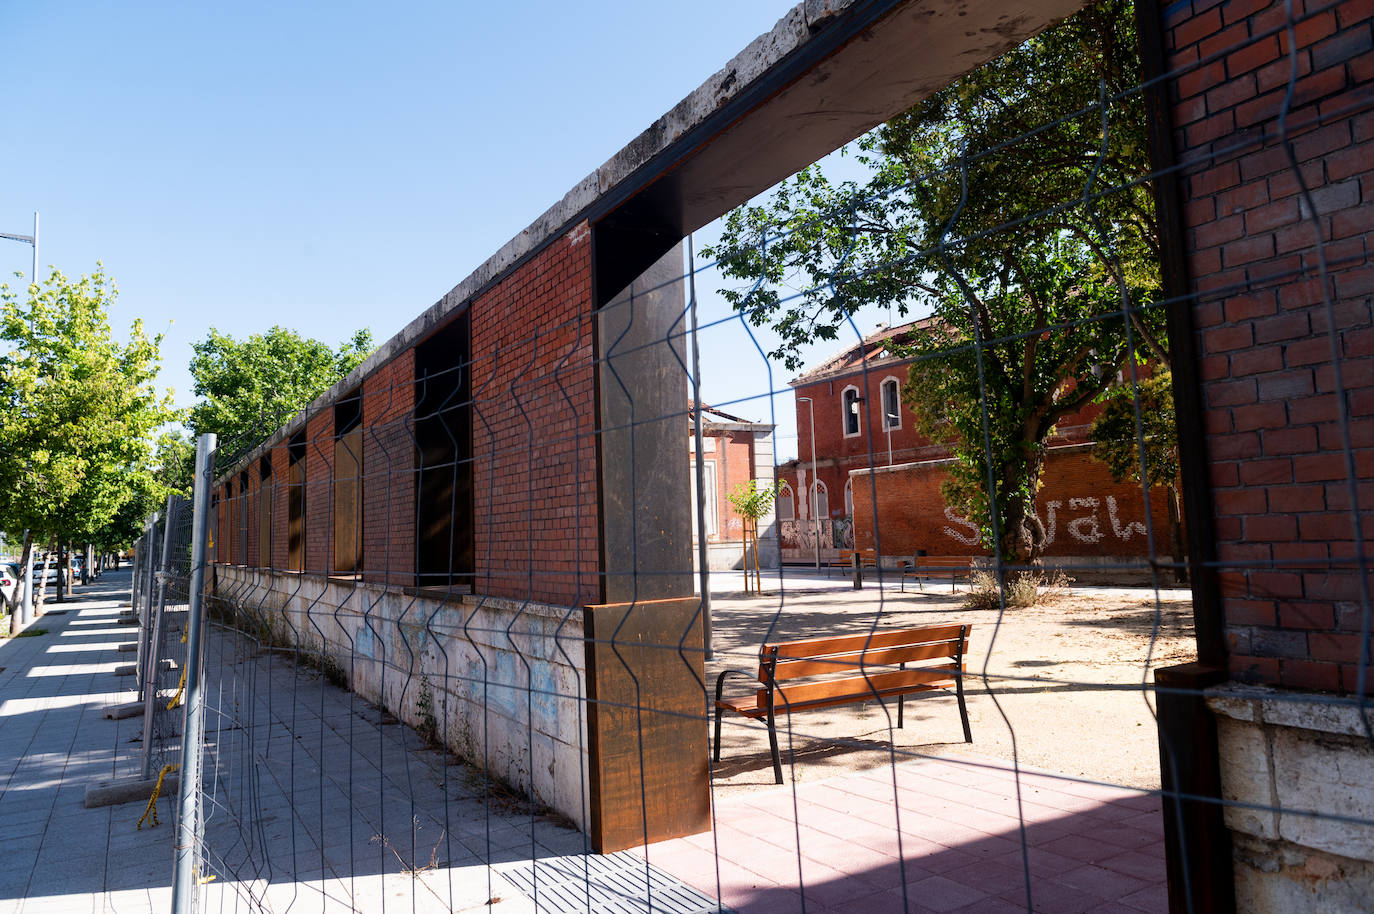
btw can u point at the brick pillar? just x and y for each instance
(1263, 215)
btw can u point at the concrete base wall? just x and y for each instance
(500, 682)
(1285, 756)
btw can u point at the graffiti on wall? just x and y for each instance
(1086, 528)
(836, 533)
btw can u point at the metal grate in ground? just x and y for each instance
(614, 884)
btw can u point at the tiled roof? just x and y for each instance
(873, 346)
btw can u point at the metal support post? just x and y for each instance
(150, 665)
(192, 731)
(702, 552)
(144, 611)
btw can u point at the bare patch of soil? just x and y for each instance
(1057, 686)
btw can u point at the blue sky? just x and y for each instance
(328, 166)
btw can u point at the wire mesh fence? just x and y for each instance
(474, 613)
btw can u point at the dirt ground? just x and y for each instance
(1062, 691)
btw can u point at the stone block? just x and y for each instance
(1245, 778)
(1327, 776)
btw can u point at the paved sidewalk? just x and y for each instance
(56, 855)
(318, 802)
(929, 835)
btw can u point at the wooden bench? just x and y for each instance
(930, 566)
(851, 669)
(868, 558)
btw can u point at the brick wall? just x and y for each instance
(281, 475)
(319, 492)
(1085, 513)
(534, 419)
(1278, 471)
(389, 472)
(839, 454)
(733, 462)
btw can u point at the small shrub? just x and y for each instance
(1024, 588)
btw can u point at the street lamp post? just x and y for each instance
(31, 240)
(26, 600)
(811, 506)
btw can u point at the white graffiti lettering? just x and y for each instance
(1051, 512)
(1130, 529)
(968, 539)
(1085, 529)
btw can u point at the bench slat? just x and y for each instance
(796, 707)
(814, 647)
(874, 660)
(859, 688)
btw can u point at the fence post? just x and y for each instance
(188, 806)
(145, 599)
(151, 661)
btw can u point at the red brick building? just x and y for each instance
(876, 482)
(734, 451)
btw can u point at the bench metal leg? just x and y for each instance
(963, 708)
(773, 745)
(716, 755)
(901, 702)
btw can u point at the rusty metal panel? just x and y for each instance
(348, 490)
(265, 523)
(646, 723)
(295, 517)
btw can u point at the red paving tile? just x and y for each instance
(992, 906)
(958, 848)
(940, 893)
(1102, 882)
(1085, 847)
(1154, 898)
(1134, 863)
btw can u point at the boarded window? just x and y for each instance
(265, 512)
(244, 506)
(348, 484)
(443, 438)
(786, 509)
(295, 503)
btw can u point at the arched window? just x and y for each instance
(849, 401)
(892, 403)
(820, 501)
(849, 498)
(787, 508)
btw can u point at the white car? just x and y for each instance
(9, 579)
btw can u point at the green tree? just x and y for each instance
(171, 468)
(984, 205)
(250, 387)
(751, 503)
(77, 410)
(1116, 436)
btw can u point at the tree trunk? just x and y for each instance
(61, 574)
(1022, 532)
(17, 601)
(40, 593)
(1176, 536)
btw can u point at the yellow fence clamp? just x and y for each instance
(152, 800)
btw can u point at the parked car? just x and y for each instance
(9, 579)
